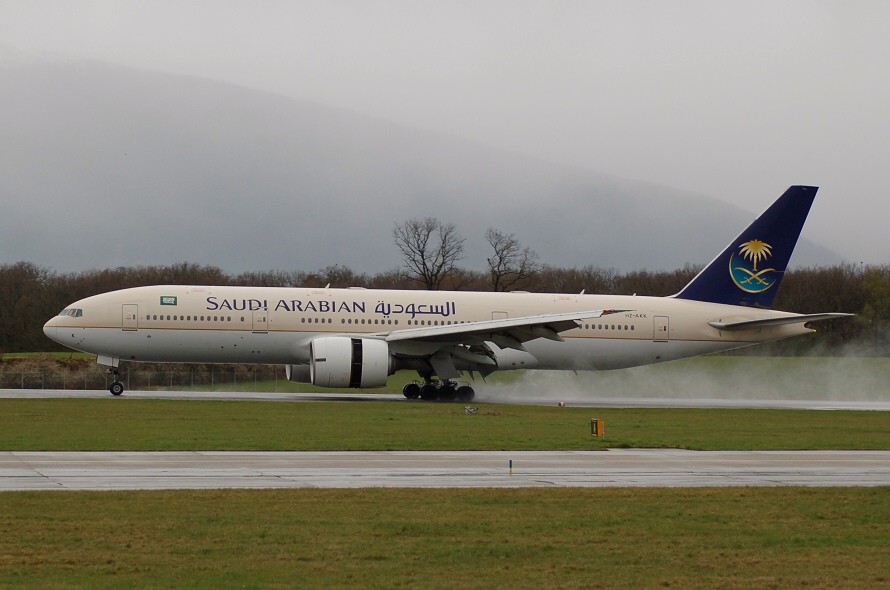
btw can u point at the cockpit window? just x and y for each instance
(72, 312)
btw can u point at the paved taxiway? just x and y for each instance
(459, 469)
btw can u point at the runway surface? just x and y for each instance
(591, 402)
(617, 467)
(613, 468)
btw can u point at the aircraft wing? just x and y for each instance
(518, 330)
(794, 319)
(441, 345)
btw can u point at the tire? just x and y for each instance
(465, 393)
(116, 388)
(411, 391)
(448, 393)
(429, 392)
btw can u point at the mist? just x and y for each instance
(838, 378)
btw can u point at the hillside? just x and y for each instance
(104, 166)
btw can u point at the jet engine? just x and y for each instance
(340, 361)
(298, 373)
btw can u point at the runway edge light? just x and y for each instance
(597, 428)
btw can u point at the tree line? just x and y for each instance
(430, 254)
(30, 295)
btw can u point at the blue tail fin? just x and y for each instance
(749, 270)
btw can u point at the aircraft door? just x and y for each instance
(661, 331)
(130, 317)
(260, 321)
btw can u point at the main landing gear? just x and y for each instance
(439, 390)
(116, 387)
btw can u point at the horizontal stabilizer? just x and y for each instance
(794, 319)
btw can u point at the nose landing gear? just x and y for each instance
(116, 387)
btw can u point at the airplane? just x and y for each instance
(356, 337)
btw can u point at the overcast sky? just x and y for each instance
(735, 100)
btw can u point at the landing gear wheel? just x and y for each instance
(411, 391)
(116, 388)
(465, 393)
(429, 392)
(448, 391)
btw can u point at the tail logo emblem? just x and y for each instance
(743, 267)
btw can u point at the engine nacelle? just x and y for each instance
(298, 373)
(340, 361)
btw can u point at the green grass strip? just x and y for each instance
(432, 538)
(134, 424)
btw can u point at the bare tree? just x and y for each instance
(511, 265)
(430, 250)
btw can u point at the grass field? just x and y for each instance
(137, 424)
(403, 538)
(452, 538)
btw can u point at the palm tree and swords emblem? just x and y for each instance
(743, 266)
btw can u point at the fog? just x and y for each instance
(730, 100)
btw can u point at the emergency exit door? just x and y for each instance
(130, 320)
(260, 321)
(662, 329)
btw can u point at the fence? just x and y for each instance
(213, 378)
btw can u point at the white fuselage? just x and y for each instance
(275, 325)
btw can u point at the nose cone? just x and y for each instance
(50, 329)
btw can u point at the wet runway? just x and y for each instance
(587, 402)
(445, 469)
(616, 467)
